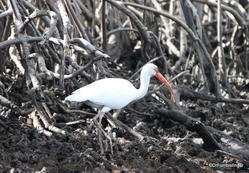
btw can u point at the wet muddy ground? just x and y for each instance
(167, 147)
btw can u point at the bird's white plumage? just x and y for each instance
(114, 93)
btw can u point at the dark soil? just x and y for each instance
(168, 147)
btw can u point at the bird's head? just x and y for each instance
(152, 70)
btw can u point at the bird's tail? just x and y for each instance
(74, 98)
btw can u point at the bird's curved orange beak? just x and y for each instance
(160, 77)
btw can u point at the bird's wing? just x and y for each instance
(112, 92)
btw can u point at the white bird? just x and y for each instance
(115, 93)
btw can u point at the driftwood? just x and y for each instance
(208, 133)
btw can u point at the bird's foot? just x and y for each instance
(101, 133)
(108, 141)
(100, 141)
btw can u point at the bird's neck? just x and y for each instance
(144, 85)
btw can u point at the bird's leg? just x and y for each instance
(96, 117)
(100, 141)
(100, 130)
(105, 134)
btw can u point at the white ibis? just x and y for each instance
(115, 93)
